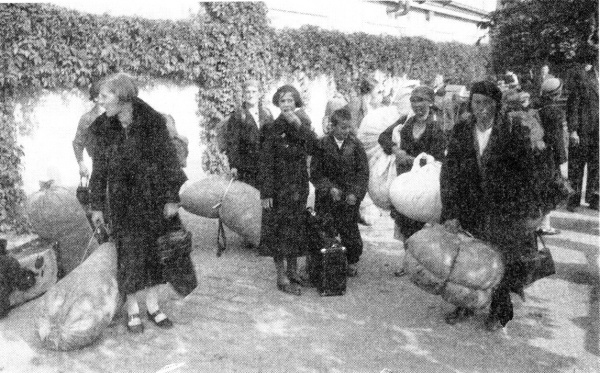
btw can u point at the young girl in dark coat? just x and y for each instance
(135, 169)
(283, 183)
(421, 133)
(341, 175)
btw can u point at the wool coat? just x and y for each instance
(135, 170)
(243, 142)
(492, 195)
(283, 176)
(347, 169)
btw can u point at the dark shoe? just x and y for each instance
(299, 280)
(135, 328)
(548, 232)
(492, 324)
(460, 314)
(164, 323)
(290, 288)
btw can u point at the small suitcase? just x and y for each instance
(331, 266)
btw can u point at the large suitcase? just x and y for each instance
(330, 266)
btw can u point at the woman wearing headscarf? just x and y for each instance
(487, 189)
(135, 169)
(420, 133)
(283, 183)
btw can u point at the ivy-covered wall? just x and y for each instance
(45, 47)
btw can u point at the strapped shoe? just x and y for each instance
(164, 323)
(135, 327)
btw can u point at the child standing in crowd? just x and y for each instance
(340, 175)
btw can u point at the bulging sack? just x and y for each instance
(201, 197)
(460, 268)
(76, 310)
(56, 215)
(416, 194)
(382, 172)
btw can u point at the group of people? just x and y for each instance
(488, 180)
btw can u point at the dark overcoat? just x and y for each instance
(137, 171)
(243, 142)
(283, 176)
(347, 169)
(492, 196)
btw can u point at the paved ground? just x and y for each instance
(236, 320)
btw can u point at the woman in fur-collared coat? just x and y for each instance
(137, 171)
(487, 188)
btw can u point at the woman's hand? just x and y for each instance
(336, 194)
(574, 138)
(266, 203)
(97, 218)
(452, 226)
(292, 117)
(170, 210)
(83, 170)
(351, 199)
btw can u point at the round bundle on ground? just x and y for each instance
(76, 310)
(416, 194)
(56, 215)
(241, 211)
(462, 269)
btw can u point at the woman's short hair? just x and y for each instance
(122, 85)
(285, 89)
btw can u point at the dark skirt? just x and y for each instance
(283, 230)
(138, 262)
(407, 226)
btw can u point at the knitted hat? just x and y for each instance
(423, 93)
(487, 89)
(551, 86)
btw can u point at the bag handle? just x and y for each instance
(81, 183)
(221, 238)
(417, 161)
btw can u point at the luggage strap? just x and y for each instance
(454, 261)
(221, 238)
(95, 232)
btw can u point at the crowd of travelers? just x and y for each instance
(490, 143)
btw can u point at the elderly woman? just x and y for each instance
(136, 170)
(283, 177)
(487, 189)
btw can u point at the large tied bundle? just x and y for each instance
(416, 194)
(237, 204)
(382, 167)
(56, 215)
(76, 310)
(460, 268)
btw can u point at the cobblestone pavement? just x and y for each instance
(237, 321)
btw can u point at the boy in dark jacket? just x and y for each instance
(340, 175)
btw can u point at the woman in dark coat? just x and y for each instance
(283, 177)
(487, 189)
(243, 135)
(137, 170)
(421, 133)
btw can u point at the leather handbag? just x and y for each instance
(538, 264)
(175, 243)
(83, 193)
